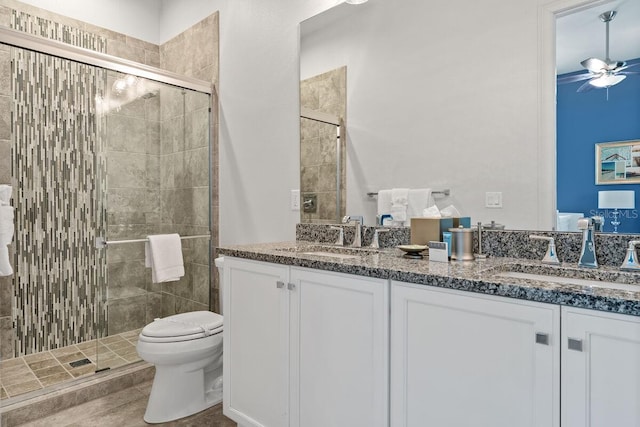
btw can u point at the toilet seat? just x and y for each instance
(182, 327)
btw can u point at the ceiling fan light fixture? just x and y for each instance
(607, 80)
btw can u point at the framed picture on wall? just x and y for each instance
(618, 162)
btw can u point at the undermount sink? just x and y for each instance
(330, 254)
(330, 251)
(569, 280)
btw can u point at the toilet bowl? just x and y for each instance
(186, 350)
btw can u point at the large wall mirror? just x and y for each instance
(446, 99)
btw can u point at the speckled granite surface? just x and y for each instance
(473, 276)
(610, 248)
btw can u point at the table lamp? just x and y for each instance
(616, 200)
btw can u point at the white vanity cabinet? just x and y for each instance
(600, 369)
(461, 359)
(256, 343)
(304, 347)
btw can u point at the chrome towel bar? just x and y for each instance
(446, 192)
(102, 243)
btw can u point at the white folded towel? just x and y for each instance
(5, 194)
(399, 201)
(384, 202)
(418, 201)
(6, 236)
(163, 253)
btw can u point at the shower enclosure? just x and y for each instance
(103, 152)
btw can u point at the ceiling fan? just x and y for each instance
(602, 74)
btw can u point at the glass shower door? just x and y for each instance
(157, 182)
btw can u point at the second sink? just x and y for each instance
(569, 280)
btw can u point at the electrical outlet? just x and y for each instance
(493, 199)
(295, 200)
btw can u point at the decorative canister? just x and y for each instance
(461, 244)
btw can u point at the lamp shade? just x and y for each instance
(616, 199)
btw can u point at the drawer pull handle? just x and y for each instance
(279, 284)
(542, 338)
(291, 286)
(574, 344)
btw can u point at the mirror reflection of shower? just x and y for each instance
(323, 147)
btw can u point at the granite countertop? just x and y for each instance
(473, 276)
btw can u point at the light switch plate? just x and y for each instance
(493, 199)
(295, 200)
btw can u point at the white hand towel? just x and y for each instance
(6, 225)
(384, 202)
(399, 201)
(418, 201)
(5, 265)
(6, 236)
(163, 253)
(5, 194)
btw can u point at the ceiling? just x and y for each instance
(581, 35)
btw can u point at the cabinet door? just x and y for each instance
(339, 350)
(600, 369)
(255, 361)
(460, 359)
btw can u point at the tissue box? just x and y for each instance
(425, 230)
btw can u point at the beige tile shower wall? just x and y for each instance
(318, 155)
(186, 196)
(128, 303)
(133, 180)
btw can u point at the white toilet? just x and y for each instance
(186, 350)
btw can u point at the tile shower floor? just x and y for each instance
(33, 372)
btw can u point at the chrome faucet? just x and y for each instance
(631, 258)
(375, 242)
(588, 251)
(340, 240)
(550, 257)
(357, 240)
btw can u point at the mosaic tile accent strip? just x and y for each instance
(59, 172)
(55, 31)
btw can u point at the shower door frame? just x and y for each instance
(76, 54)
(85, 56)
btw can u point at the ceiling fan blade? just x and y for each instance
(585, 87)
(629, 73)
(595, 65)
(574, 78)
(629, 66)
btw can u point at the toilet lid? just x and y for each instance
(192, 324)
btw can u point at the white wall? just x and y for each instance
(474, 115)
(175, 16)
(442, 97)
(259, 117)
